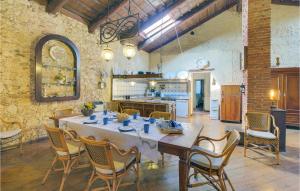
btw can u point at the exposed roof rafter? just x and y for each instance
(182, 18)
(115, 7)
(287, 2)
(230, 4)
(160, 14)
(55, 6)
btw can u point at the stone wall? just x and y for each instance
(23, 22)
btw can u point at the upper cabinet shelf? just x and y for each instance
(138, 76)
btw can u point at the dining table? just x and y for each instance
(150, 144)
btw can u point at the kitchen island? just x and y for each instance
(147, 106)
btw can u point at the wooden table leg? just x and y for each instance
(183, 172)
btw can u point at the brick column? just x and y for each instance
(257, 36)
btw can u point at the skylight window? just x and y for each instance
(159, 27)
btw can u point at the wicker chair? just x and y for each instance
(211, 164)
(68, 150)
(11, 131)
(258, 134)
(112, 106)
(166, 116)
(60, 113)
(130, 111)
(160, 114)
(110, 163)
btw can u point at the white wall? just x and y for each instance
(140, 62)
(219, 41)
(285, 36)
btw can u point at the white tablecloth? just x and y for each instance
(147, 143)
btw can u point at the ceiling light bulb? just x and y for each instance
(129, 51)
(107, 54)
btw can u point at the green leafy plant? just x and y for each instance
(88, 108)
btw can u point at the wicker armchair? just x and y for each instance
(112, 106)
(60, 113)
(68, 150)
(130, 111)
(211, 164)
(11, 131)
(110, 163)
(160, 114)
(258, 134)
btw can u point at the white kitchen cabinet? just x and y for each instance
(182, 108)
(214, 109)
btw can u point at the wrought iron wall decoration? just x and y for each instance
(120, 29)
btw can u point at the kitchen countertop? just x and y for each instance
(146, 100)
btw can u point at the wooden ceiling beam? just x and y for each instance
(102, 15)
(182, 18)
(55, 6)
(287, 2)
(74, 16)
(230, 4)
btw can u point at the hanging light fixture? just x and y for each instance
(126, 27)
(107, 54)
(129, 51)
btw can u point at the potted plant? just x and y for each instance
(88, 109)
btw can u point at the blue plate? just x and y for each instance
(90, 121)
(126, 129)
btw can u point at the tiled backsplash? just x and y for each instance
(174, 87)
(122, 88)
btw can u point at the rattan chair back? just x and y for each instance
(100, 153)
(258, 121)
(112, 106)
(63, 112)
(130, 111)
(57, 139)
(160, 114)
(232, 141)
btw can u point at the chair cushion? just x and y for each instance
(201, 161)
(119, 163)
(73, 149)
(261, 134)
(9, 134)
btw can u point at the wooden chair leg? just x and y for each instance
(222, 183)
(66, 170)
(49, 170)
(137, 176)
(162, 159)
(277, 153)
(227, 178)
(90, 181)
(245, 148)
(114, 185)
